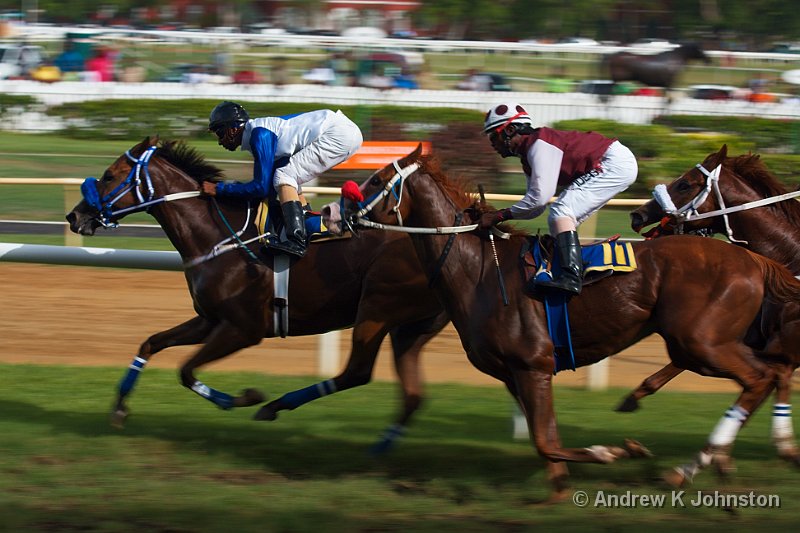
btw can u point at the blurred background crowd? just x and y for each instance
(252, 42)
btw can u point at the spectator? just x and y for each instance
(70, 60)
(101, 66)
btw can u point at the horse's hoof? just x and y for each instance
(249, 397)
(267, 413)
(637, 449)
(628, 405)
(675, 478)
(118, 417)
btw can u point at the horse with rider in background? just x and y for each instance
(654, 70)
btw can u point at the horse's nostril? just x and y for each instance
(71, 217)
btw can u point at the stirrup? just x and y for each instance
(562, 283)
(288, 247)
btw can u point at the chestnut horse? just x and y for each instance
(744, 201)
(700, 295)
(372, 282)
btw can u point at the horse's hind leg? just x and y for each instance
(757, 380)
(193, 331)
(367, 339)
(649, 386)
(782, 430)
(224, 340)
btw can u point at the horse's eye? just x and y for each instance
(684, 186)
(376, 181)
(107, 178)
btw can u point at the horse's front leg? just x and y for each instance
(367, 339)
(193, 331)
(649, 386)
(533, 383)
(225, 339)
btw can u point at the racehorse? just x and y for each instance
(372, 282)
(701, 296)
(737, 197)
(656, 70)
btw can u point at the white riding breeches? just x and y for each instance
(338, 141)
(587, 194)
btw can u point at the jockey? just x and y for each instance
(591, 168)
(288, 151)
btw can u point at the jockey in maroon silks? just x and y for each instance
(590, 168)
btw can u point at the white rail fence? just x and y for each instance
(547, 108)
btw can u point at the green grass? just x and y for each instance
(183, 465)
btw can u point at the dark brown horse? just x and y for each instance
(372, 282)
(700, 295)
(743, 183)
(655, 70)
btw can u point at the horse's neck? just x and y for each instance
(769, 235)
(766, 231)
(193, 226)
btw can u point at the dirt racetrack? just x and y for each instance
(99, 316)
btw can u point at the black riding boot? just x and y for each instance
(295, 225)
(570, 276)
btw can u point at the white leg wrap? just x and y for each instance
(728, 427)
(782, 423)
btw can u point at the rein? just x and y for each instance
(689, 211)
(397, 181)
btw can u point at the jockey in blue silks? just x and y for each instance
(287, 151)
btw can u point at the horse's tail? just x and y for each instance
(779, 281)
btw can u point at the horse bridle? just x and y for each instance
(689, 211)
(132, 183)
(395, 187)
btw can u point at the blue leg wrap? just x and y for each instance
(127, 383)
(388, 439)
(220, 399)
(295, 399)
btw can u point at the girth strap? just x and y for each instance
(280, 287)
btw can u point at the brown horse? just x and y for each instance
(772, 229)
(655, 70)
(701, 296)
(372, 282)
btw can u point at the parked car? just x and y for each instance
(16, 60)
(714, 92)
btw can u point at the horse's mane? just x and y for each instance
(755, 173)
(189, 160)
(455, 188)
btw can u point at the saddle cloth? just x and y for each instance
(315, 229)
(600, 260)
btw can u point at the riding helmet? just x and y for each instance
(227, 114)
(502, 115)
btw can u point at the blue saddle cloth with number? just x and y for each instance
(600, 260)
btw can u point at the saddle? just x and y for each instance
(269, 226)
(600, 260)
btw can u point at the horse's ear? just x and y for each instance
(153, 140)
(417, 153)
(713, 160)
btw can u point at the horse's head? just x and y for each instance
(380, 198)
(148, 174)
(690, 194)
(122, 185)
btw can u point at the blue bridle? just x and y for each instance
(133, 183)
